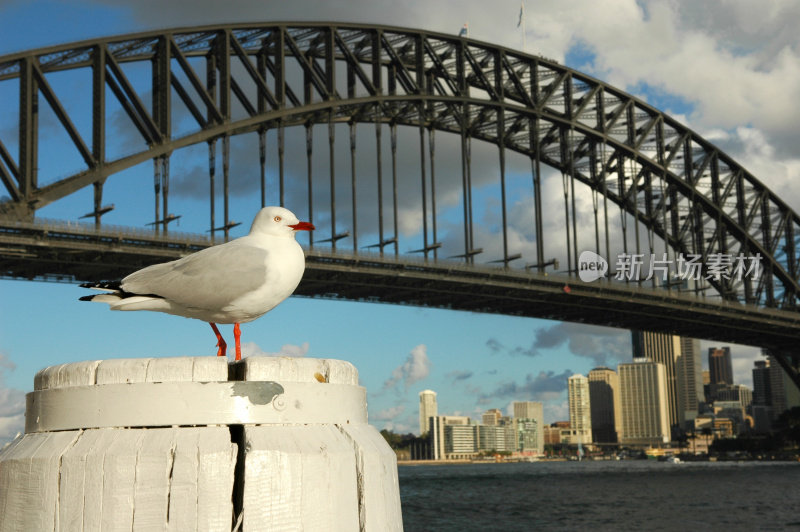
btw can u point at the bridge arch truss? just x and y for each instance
(679, 189)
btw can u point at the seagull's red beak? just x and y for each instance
(303, 226)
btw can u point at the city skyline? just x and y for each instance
(599, 397)
(476, 360)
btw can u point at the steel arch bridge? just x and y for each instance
(670, 192)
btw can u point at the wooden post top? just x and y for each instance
(194, 391)
(195, 369)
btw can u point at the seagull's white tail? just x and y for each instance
(140, 303)
(103, 298)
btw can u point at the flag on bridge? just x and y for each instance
(521, 13)
(464, 31)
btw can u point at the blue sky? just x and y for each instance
(714, 68)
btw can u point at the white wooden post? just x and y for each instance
(193, 443)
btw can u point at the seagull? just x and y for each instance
(235, 282)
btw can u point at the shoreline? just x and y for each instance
(465, 461)
(413, 463)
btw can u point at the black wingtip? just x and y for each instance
(103, 285)
(86, 298)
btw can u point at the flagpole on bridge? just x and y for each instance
(521, 23)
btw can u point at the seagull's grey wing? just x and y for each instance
(208, 279)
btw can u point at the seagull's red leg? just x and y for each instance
(223, 347)
(237, 335)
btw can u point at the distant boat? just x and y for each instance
(674, 460)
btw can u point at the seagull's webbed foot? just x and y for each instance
(223, 347)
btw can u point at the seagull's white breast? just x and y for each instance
(284, 265)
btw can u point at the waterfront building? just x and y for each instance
(530, 436)
(604, 404)
(666, 350)
(529, 425)
(492, 438)
(552, 433)
(451, 437)
(427, 409)
(643, 391)
(580, 414)
(459, 441)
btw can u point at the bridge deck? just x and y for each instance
(79, 252)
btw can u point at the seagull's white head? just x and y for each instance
(277, 221)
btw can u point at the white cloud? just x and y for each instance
(416, 367)
(12, 405)
(388, 414)
(287, 350)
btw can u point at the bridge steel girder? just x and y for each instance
(85, 253)
(674, 183)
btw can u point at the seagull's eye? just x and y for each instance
(277, 218)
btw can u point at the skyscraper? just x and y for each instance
(761, 384)
(666, 350)
(690, 379)
(580, 416)
(605, 405)
(773, 392)
(427, 409)
(784, 394)
(720, 366)
(762, 396)
(643, 390)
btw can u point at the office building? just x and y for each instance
(762, 397)
(493, 438)
(580, 415)
(643, 393)
(735, 392)
(666, 350)
(452, 437)
(529, 418)
(491, 417)
(527, 409)
(530, 436)
(784, 393)
(773, 393)
(720, 369)
(553, 434)
(690, 379)
(604, 404)
(733, 412)
(427, 409)
(761, 383)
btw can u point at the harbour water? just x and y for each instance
(601, 495)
